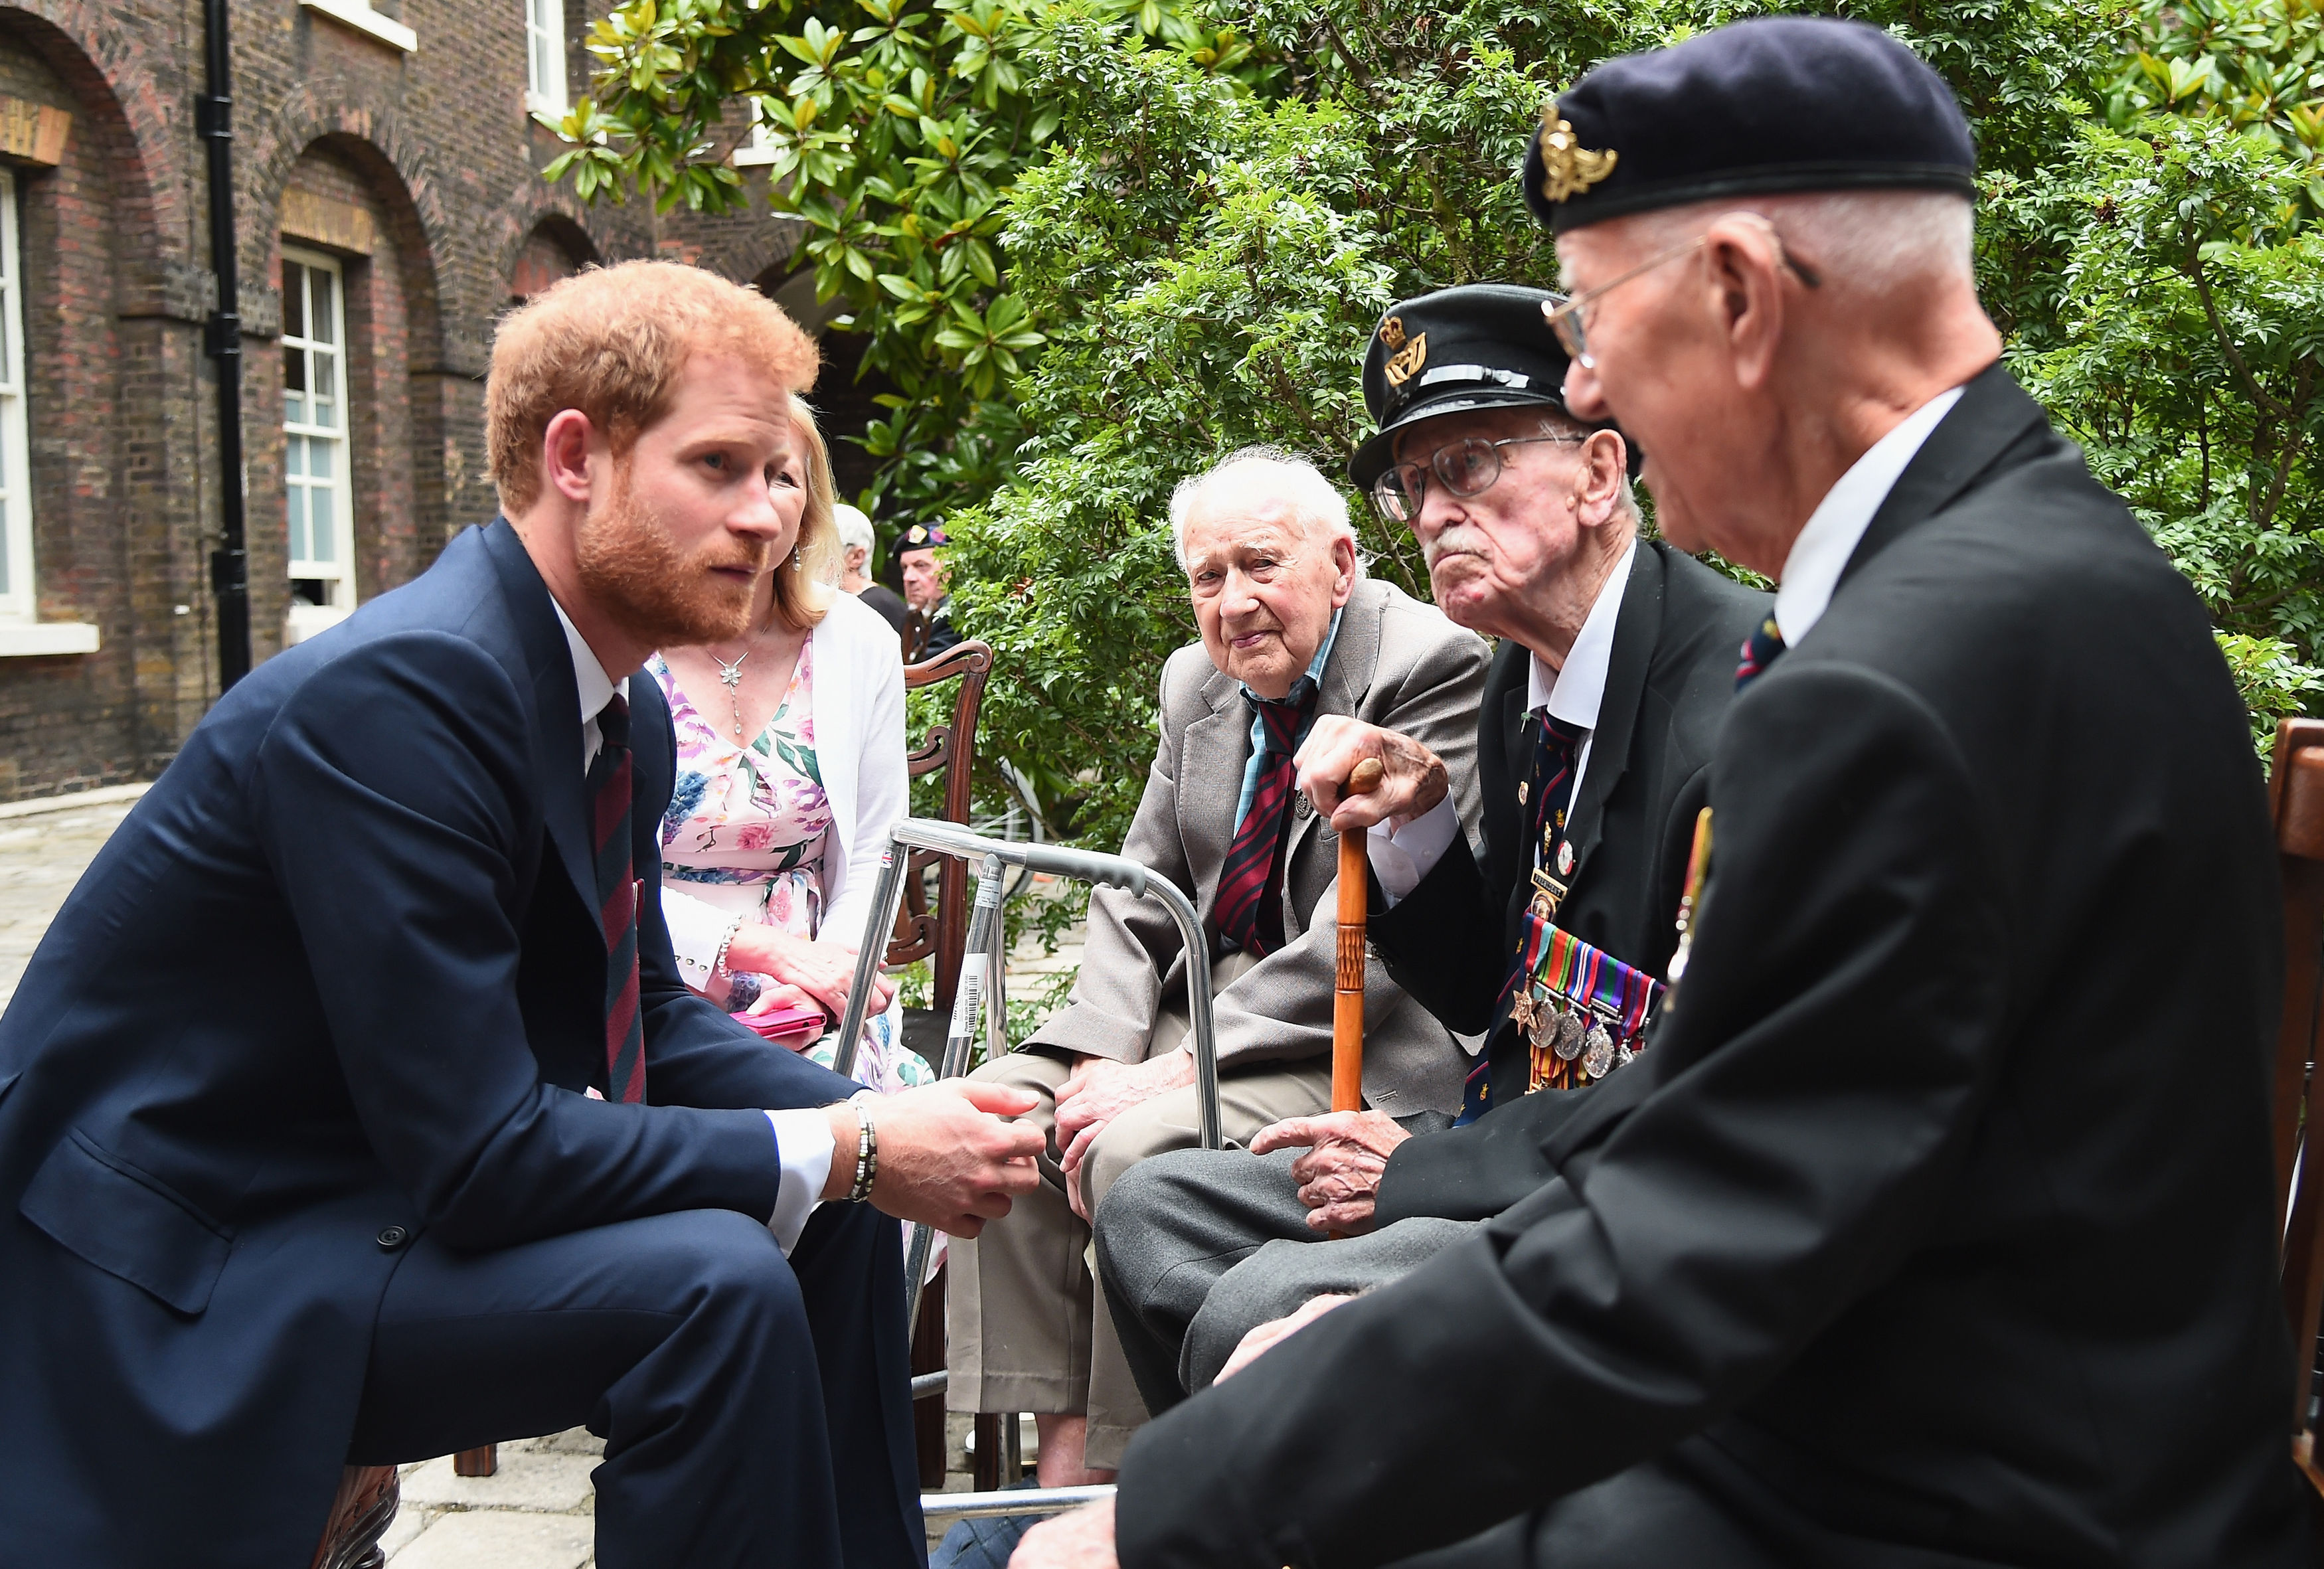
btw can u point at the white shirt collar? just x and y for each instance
(1576, 692)
(1819, 554)
(589, 677)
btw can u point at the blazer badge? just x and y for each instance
(1568, 168)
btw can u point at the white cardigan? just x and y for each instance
(859, 748)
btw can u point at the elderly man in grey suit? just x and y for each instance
(1291, 629)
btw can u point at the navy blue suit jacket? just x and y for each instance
(339, 972)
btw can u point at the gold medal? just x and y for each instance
(1522, 786)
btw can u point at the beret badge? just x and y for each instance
(1407, 361)
(1391, 333)
(1568, 168)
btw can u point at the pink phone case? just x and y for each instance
(784, 1022)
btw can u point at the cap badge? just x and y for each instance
(1407, 361)
(1391, 333)
(1568, 168)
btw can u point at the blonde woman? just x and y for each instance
(790, 768)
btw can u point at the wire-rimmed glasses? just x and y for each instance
(1466, 467)
(1572, 332)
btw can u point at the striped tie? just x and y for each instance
(617, 904)
(1760, 649)
(1248, 913)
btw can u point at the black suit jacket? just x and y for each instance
(1669, 679)
(1935, 1228)
(337, 979)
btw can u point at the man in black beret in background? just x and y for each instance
(1593, 744)
(1935, 1228)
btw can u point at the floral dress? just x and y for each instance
(745, 833)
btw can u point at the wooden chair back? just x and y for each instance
(949, 749)
(2295, 791)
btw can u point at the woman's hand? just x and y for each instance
(824, 971)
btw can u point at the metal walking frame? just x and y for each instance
(982, 985)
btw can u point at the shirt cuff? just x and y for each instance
(803, 1149)
(1403, 856)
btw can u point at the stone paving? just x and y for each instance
(538, 1511)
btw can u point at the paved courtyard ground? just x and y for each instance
(537, 1512)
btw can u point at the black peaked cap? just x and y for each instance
(1481, 345)
(1779, 103)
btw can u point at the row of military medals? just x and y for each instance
(1565, 1037)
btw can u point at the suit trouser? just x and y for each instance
(1023, 1336)
(755, 1410)
(1197, 1248)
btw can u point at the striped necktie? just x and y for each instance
(1760, 649)
(1249, 913)
(617, 903)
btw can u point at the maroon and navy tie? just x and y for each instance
(1250, 910)
(617, 904)
(1760, 649)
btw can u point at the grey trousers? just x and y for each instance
(1199, 1246)
(1022, 1332)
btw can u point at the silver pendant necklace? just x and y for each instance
(732, 675)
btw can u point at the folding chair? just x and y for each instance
(980, 984)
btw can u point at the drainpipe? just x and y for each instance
(230, 562)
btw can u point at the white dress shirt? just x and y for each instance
(803, 1147)
(1402, 856)
(1818, 557)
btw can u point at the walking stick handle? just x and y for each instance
(1348, 994)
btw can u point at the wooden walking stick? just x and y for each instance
(1348, 996)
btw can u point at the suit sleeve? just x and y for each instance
(1810, 1101)
(1131, 941)
(420, 808)
(1435, 701)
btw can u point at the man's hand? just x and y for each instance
(1415, 777)
(1083, 1539)
(1273, 1331)
(945, 1154)
(1102, 1090)
(1339, 1178)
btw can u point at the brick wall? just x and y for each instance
(434, 149)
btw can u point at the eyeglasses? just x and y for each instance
(1566, 320)
(1467, 467)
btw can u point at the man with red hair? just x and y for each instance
(353, 1111)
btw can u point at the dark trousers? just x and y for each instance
(755, 1410)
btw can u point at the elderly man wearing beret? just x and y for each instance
(1935, 1228)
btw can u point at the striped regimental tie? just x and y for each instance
(1760, 649)
(1250, 910)
(617, 904)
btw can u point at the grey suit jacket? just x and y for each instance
(1396, 664)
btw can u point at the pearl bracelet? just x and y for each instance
(718, 964)
(867, 1147)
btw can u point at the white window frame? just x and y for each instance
(19, 601)
(338, 574)
(544, 42)
(756, 148)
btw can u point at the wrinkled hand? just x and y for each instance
(1102, 1090)
(822, 970)
(946, 1155)
(1415, 782)
(1274, 1332)
(1083, 1539)
(1339, 1178)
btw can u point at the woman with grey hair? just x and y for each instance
(856, 567)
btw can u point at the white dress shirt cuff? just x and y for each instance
(1402, 856)
(803, 1149)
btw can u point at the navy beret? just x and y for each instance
(922, 537)
(1778, 104)
(1481, 345)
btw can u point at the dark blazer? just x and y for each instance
(1935, 1228)
(1669, 680)
(337, 979)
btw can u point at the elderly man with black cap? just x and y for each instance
(1936, 1228)
(927, 584)
(1617, 664)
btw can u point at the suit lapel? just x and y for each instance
(1211, 761)
(558, 777)
(1635, 628)
(1993, 414)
